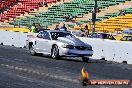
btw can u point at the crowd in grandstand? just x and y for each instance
(36, 28)
(5, 4)
(122, 13)
(44, 3)
(69, 17)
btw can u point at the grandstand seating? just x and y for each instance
(22, 7)
(108, 15)
(107, 19)
(56, 13)
(6, 3)
(112, 22)
(115, 23)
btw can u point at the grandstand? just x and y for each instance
(21, 7)
(23, 13)
(109, 20)
(10, 10)
(115, 23)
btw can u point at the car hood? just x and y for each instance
(71, 41)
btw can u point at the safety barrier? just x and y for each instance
(109, 49)
(17, 39)
(16, 29)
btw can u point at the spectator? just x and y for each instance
(45, 3)
(86, 33)
(39, 28)
(63, 28)
(86, 30)
(71, 17)
(40, 3)
(56, 28)
(81, 6)
(66, 17)
(75, 17)
(82, 32)
(46, 28)
(122, 13)
(86, 27)
(97, 9)
(33, 28)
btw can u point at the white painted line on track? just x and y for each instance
(40, 73)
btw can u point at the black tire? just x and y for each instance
(124, 62)
(32, 51)
(86, 82)
(85, 59)
(55, 52)
(103, 59)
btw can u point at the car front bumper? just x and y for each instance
(74, 52)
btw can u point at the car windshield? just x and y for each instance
(55, 35)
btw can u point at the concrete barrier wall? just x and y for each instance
(111, 50)
(17, 39)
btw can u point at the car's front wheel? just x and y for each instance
(32, 51)
(55, 52)
(85, 59)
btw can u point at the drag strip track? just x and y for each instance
(18, 69)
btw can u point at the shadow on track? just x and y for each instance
(77, 59)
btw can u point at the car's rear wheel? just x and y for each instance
(32, 51)
(55, 52)
(85, 59)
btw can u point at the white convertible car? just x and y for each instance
(58, 44)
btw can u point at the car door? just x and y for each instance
(45, 43)
(38, 44)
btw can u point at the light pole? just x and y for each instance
(94, 16)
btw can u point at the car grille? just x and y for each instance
(80, 47)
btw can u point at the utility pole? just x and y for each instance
(94, 16)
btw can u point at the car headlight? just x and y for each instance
(68, 46)
(89, 48)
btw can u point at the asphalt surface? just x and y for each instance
(18, 69)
